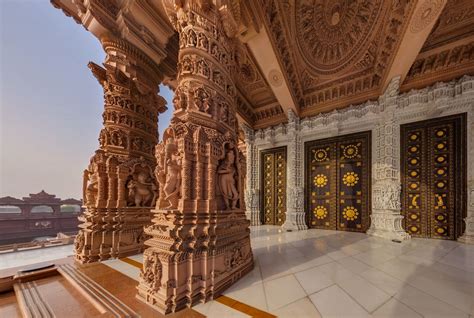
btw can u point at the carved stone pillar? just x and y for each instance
(468, 236)
(295, 216)
(119, 186)
(252, 193)
(386, 220)
(194, 252)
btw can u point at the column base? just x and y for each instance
(188, 262)
(468, 236)
(388, 225)
(466, 239)
(254, 217)
(111, 233)
(295, 221)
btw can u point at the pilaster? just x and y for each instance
(386, 220)
(252, 193)
(295, 216)
(468, 236)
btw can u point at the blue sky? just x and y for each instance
(50, 104)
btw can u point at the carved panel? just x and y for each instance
(433, 177)
(335, 53)
(273, 178)
(449, 50)
(337, 182)
(331, 33)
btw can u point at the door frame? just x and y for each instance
(262, 193)
(307, 145)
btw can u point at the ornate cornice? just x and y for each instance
(440, 66)
(451, 97)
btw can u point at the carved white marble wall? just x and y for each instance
(295, 216)
(383, 117)
(252, 192)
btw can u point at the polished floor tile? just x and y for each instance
(123, 267)
(334, 302)
(282, 291)
(253, 296)
(385, 282)
(364, 293)
(302, 308)
(427, 305)
(216, 309)
(395, 309)
(25, 258)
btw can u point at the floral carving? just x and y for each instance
(331, 33)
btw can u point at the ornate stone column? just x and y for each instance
(468, 236)
(386, 220)
(252, 194)
(119, 186)
(198, 250)
(295, 216)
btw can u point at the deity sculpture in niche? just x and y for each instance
(224, 112)
(152, 272)
(160, 174)
(168, 171)
(201, 100)
(141, 190)
(172, 184)
(90, 183)
(226, 172)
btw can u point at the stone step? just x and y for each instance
(102, 299)
(9, 305)
(68, 289)
(30, 301)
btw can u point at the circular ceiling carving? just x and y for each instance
(275, 78)
(331, 33)
(425, 14)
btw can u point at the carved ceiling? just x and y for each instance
(335, 52)
(310, 56)
(449, 50)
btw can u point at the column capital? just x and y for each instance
(249, 133)
(132, 62)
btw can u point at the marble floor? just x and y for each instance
(319, 273)
(33, 256)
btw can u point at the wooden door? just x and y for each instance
(433, 176)
(338, 182)
(273, 185)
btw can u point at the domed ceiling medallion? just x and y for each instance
(331, 34)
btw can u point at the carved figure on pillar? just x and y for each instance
(90, 184)
(227, 182)
(173, 181)
(141, 190)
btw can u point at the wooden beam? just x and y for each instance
(261, 48)
(422, 20)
